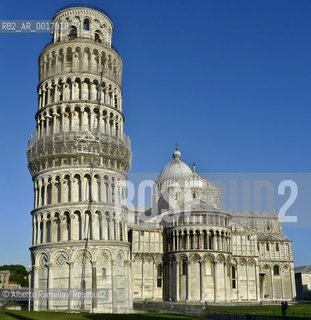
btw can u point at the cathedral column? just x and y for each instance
(142, 275)
(225, 281)
(272, 282)
(127, 265)
(256, 275)
(188, 287)
(215, 281)
(170, 282)
(201, 280)
(292, 281)
(177, 268)
(247, 280)
(281, 275)
(154, 272)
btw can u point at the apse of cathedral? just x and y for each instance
(85, 238)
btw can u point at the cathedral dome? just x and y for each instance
(176, 169)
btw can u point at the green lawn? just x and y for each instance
(32, 315)
(299, 310)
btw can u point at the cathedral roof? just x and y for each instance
(303, 269)
(197, 206)
(271, 237)
(252, 214)
(176, 169)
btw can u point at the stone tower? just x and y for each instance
(79, 159)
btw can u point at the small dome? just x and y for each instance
(176, 169)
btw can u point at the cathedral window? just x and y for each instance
(194, 195)
(233, 277)
(252, 224)
(104, 273)
(276, 270)
(268, 226)
(267, 247)
(159, 276)
(277, 247)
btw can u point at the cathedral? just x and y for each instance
(85, 238)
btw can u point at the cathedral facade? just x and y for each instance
(192, 250)
(186, 248)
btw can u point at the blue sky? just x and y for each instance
(229, 81)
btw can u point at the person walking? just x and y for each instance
(283, 309)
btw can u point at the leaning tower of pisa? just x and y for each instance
(79, 158)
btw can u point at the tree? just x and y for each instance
(18, 274)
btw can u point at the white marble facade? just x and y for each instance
(191, 250)
(84, 236)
